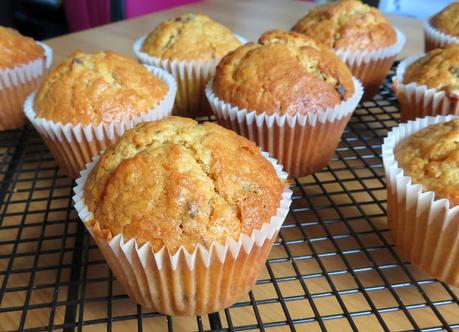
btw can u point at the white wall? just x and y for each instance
(416, 8)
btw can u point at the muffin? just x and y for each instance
(89, 100)
(428, 84)
(421, 160)
(23, 65)
(360, 35)
(189, 47)
(287, 93)
(442, 29)
(184, 213)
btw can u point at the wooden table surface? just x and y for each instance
(249, 19)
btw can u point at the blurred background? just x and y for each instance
(43, 19)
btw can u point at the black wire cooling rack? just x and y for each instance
(333, 266)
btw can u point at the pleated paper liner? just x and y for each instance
(16, 84)
(303, 143)
(417, 100)
(424, 229)
(434, 38)
(186, 283)
(73, 146)
(191, 76)
(371, 67)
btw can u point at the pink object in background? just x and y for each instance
(85, 14)
(141, 7)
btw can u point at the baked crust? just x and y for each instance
(190, 37)
(98, 88)
(348, 24)
(285, 72)
(16, 49)
(431, 158)
(447, 20)
(438, 69)
(175, 182)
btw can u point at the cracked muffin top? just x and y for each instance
(447, 20)
(190, 37)
(16, 49)
(98, 88)
(348, 24)
(175, 182)
(284, 73)
(438, 69)
(431, 158)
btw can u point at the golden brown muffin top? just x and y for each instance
(175, 182)
(348, 24)
(447, 20)
(286, 72)
(16, 49)
(98, 88)
(190, 37)
(438, 69)
(431, 158)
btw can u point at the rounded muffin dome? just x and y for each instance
(16, 49)
(177, 183)
(447, 20)
(284, 73)
(431, 158)
(348, 25)
(98, 88)
(438, 69)
(190, 37)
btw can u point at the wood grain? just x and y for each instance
(246, 18)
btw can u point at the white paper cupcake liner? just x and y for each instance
(434, 38)
(371, 67)
(418, 100)
(424, 229)
(16, 84)
(191, 76)
(73, 146)
(303, 143)
(186, 283)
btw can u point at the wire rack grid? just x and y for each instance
(333, 265)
